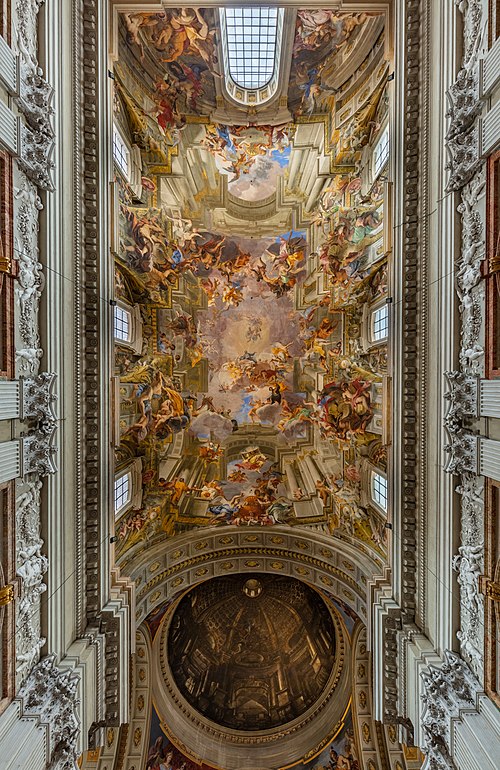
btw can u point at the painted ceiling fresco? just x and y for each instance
(252, 396)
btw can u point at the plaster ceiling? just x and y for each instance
(249, 249)
(250, 243)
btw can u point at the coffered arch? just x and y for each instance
(163, 571)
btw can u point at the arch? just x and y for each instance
(166, 569)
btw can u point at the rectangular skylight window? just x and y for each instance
(121, 154)
(381, 152)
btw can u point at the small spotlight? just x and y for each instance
(388, 525)
(113, 539)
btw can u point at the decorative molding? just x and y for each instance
(161, 570)
(462, 394)
(411, 354)
(34, 101)
(467, 176)
(50, 696)
(469, 563)
(38, 405)
(468, 276)
(471, 489)
(462, 451)
(31, 567)
(447, 689)
(26, 23)
(462, 138)
(88, 197)
(35, 153)
(29, 282)
(39, 450)
(38, 397)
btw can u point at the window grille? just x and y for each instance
(122, 491)
(122, 324)
(379, 490)
(252, 45)
(121, 154)
(380, 323)
(381, 152)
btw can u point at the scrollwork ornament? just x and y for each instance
(447, 689)
(34, 101)
(462, 451)
(464, 103)
(26, 23)
(38, 397)
(31, 568)
(39, 451)
(29, 283)
(35, 157)
(50, 696)
(462, 396)
(468, 276)
(471, 490)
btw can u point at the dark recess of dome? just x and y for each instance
(251, 652)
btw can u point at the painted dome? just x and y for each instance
(251, 652)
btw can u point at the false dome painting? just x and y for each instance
(251, 652)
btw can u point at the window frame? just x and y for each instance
(368, 340)
(134, 473)
(250, 45)
(117, 131)
(375, 474)
(135, 341)
(372, 332)
(125, 502)
(260, 94)
(384, 131)
(120, 308)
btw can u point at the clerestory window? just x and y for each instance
(122, 323)
(121, 153)
(381, 152)
(380, 323)
(379, 490)
(122, 491)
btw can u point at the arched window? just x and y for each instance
(251, 41)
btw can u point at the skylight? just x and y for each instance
(252, 45)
